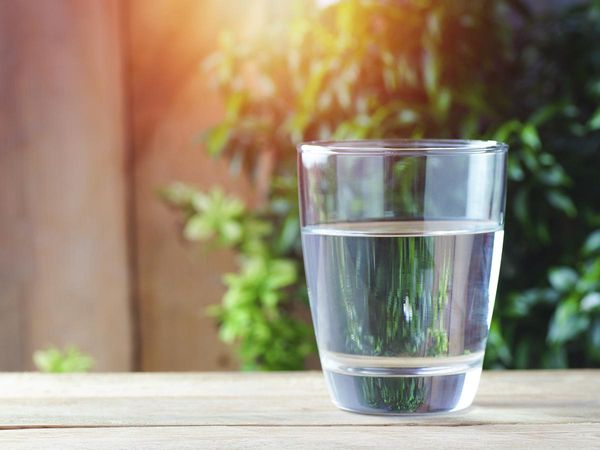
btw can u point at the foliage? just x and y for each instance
(571, 300)
(255, 310)
(548, 268)
(369, 69)
(54, 360)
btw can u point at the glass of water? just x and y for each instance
(402, 242)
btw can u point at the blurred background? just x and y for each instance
(148, 209)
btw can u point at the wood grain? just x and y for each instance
(538, 409)
(276, 399)
(63, 249)
(299, 437)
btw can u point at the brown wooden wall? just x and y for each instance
(171, 103)
(100, 105)
(64, 274)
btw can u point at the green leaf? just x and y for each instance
(54, 360)
(566, 323)
(590, 277)
(530, 157)
(591, 302)
(231, 232)
(562, 202)
(515, 171)
(232, 207)
(282, 273)
(563, 279)
(522, 303)
(407, 116)
(431, 72)
(217, 138)
(548, 160)
(200, 201)
(289, 234)
(227, 333)
(238, 297)
(497, 348)
(553, 176)
(592, 243)
(270, 299)
(530, 136)
(233, 106)
(198, 228)
(545, 113)
(507, 130)
(594, 122)
(443, 101)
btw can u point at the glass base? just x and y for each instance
(403, 395)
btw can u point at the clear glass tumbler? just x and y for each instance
(402, 242)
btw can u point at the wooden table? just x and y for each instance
(549, 409)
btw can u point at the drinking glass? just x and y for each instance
(402, 242)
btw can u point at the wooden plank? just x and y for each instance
(63, 249)
(276, 399)
(367, 437)
(173, 101)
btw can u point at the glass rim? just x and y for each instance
(403, 147)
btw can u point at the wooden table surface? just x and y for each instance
(536, 409)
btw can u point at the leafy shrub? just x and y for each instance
(256, 310)
(370, 69)
(54, 360)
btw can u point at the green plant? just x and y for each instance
(256, 310)
(368, 69)
(553, 196)
(571, 301)
(54, 360)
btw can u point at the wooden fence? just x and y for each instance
(100, 101)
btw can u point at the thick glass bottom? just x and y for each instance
(403, 394)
